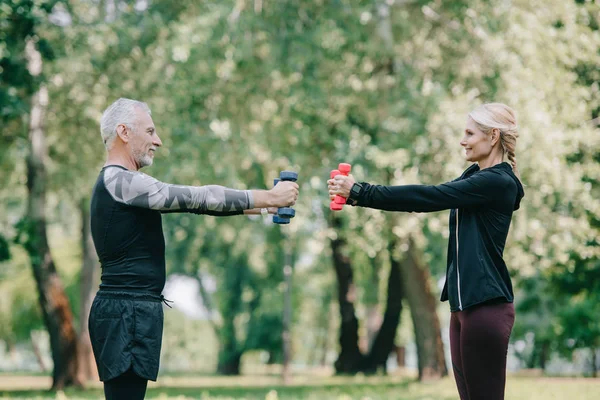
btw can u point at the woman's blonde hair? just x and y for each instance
(499, 116)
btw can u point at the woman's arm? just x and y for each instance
(481, 188)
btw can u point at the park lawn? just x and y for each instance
(337, 388)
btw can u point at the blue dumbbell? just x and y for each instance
(284, 214)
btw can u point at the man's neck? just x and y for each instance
(122, 160)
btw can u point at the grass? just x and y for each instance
(308, 388)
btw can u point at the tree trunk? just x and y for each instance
(383, 344)
(88, 283)
(230, 354)
(53, 301)
(350, 357)
(229, 362)
(373, 314)
(594, 362)
(544, 353)
(415, 275)
(430, 349)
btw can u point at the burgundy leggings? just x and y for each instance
(479, 343)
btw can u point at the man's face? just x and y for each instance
(144, 140)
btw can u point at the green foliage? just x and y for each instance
(239, 93)
(19, 310)
(20, 21)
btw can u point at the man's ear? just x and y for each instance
(495, 136)
(123, 133)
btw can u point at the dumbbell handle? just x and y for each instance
(338, 201)
(285, 213)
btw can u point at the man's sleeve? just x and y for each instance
(481, 188)
(140, 190)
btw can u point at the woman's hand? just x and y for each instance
(340, 185)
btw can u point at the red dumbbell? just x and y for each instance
(339, 201)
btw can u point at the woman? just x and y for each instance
(481, 202)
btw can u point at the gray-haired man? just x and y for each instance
(126, 319)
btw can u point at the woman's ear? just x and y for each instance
(495, 136)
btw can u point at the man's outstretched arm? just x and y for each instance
(141, 190)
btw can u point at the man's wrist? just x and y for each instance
(263, 198)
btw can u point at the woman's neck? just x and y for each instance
(494, 158)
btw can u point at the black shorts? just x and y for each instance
(126, 332)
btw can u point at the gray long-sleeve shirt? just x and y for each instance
(126, 223)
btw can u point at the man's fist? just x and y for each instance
(284, 194)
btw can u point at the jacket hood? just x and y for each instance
(520, 191)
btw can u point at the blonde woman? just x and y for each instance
(478, 286)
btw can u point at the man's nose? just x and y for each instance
(157, 142)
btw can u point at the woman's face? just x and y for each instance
(477, 144)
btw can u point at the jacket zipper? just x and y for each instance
(457, 270)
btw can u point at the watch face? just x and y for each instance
(355, 189)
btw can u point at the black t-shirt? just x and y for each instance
(126, 223)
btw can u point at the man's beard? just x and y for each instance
(143, 159)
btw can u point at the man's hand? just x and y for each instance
(340, 185)
(284, 194)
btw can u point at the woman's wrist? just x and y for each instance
(355, 193)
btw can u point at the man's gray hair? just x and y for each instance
(121, 111)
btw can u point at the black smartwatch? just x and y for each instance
(355, 192)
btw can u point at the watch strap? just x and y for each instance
(355, 193)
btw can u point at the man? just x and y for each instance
(126, 319)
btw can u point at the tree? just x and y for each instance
(53, 301)
(28, 50)
(557, 251)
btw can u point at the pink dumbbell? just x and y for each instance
(339, 201)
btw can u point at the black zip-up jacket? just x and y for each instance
(481, 204)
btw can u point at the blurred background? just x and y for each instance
(241, 90)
